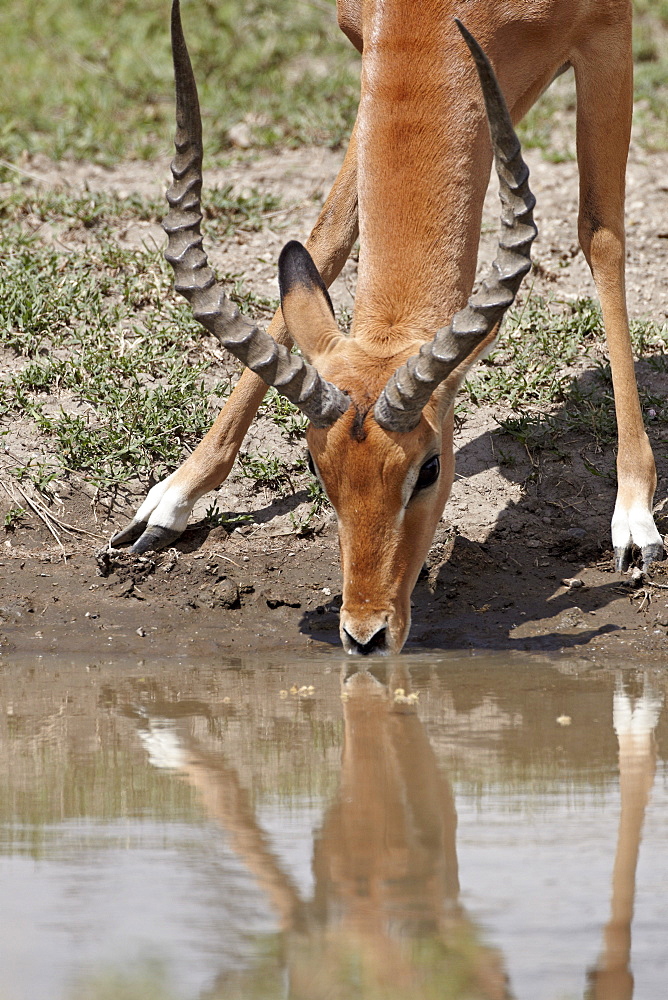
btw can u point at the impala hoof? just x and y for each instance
(130, 533)
(652, 553)
(155, 537)
(623, 557)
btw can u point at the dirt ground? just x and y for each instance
(510, 534)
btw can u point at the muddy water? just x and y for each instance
(442, 828)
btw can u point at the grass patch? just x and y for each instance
(93, 80)
(538, 348)
(285, 478)
(107, 366)
(270, 471)
(287, 416)
(551, 371)
(125, 363)
(224, 212)
(102, 333)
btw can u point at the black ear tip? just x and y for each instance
(291, 253)
(297, 268)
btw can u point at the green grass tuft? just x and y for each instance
(93, 80)
(551, 370)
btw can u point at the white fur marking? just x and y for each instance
(167, 506)
(634, 525)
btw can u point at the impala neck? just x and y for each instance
(423, 167)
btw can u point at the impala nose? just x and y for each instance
(376, 644)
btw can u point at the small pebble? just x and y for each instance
(564, 720)
(141, 632)
(573, 583)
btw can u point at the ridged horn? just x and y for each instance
(322, 402)
(401, 402)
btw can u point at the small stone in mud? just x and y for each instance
(573, 618)
(564, 720)
(121, 589)
(12, 612)
(281, 600)
(225, 595)
(573, 583)
(141, 632)
(171, 561)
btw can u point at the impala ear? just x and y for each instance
(307, 307)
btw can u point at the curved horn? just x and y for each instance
(321, 401)
(400, 404)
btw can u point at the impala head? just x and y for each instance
(380, 434)
(388, 487)
(388, 491)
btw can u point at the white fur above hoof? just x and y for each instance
(635, 527)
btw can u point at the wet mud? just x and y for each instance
(216, 592)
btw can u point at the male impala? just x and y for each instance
(414, 178)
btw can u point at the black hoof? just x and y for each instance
(155, 537)
(652, 553)
(623, 558)
(129, 533)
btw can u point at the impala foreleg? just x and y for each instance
(164, 514)
(604, 77)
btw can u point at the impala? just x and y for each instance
(380, 401)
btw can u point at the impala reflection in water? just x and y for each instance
(634, 725)
(385, 918)
(463, 828)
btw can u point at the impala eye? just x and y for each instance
(428, 474)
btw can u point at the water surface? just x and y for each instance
(447, 827)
